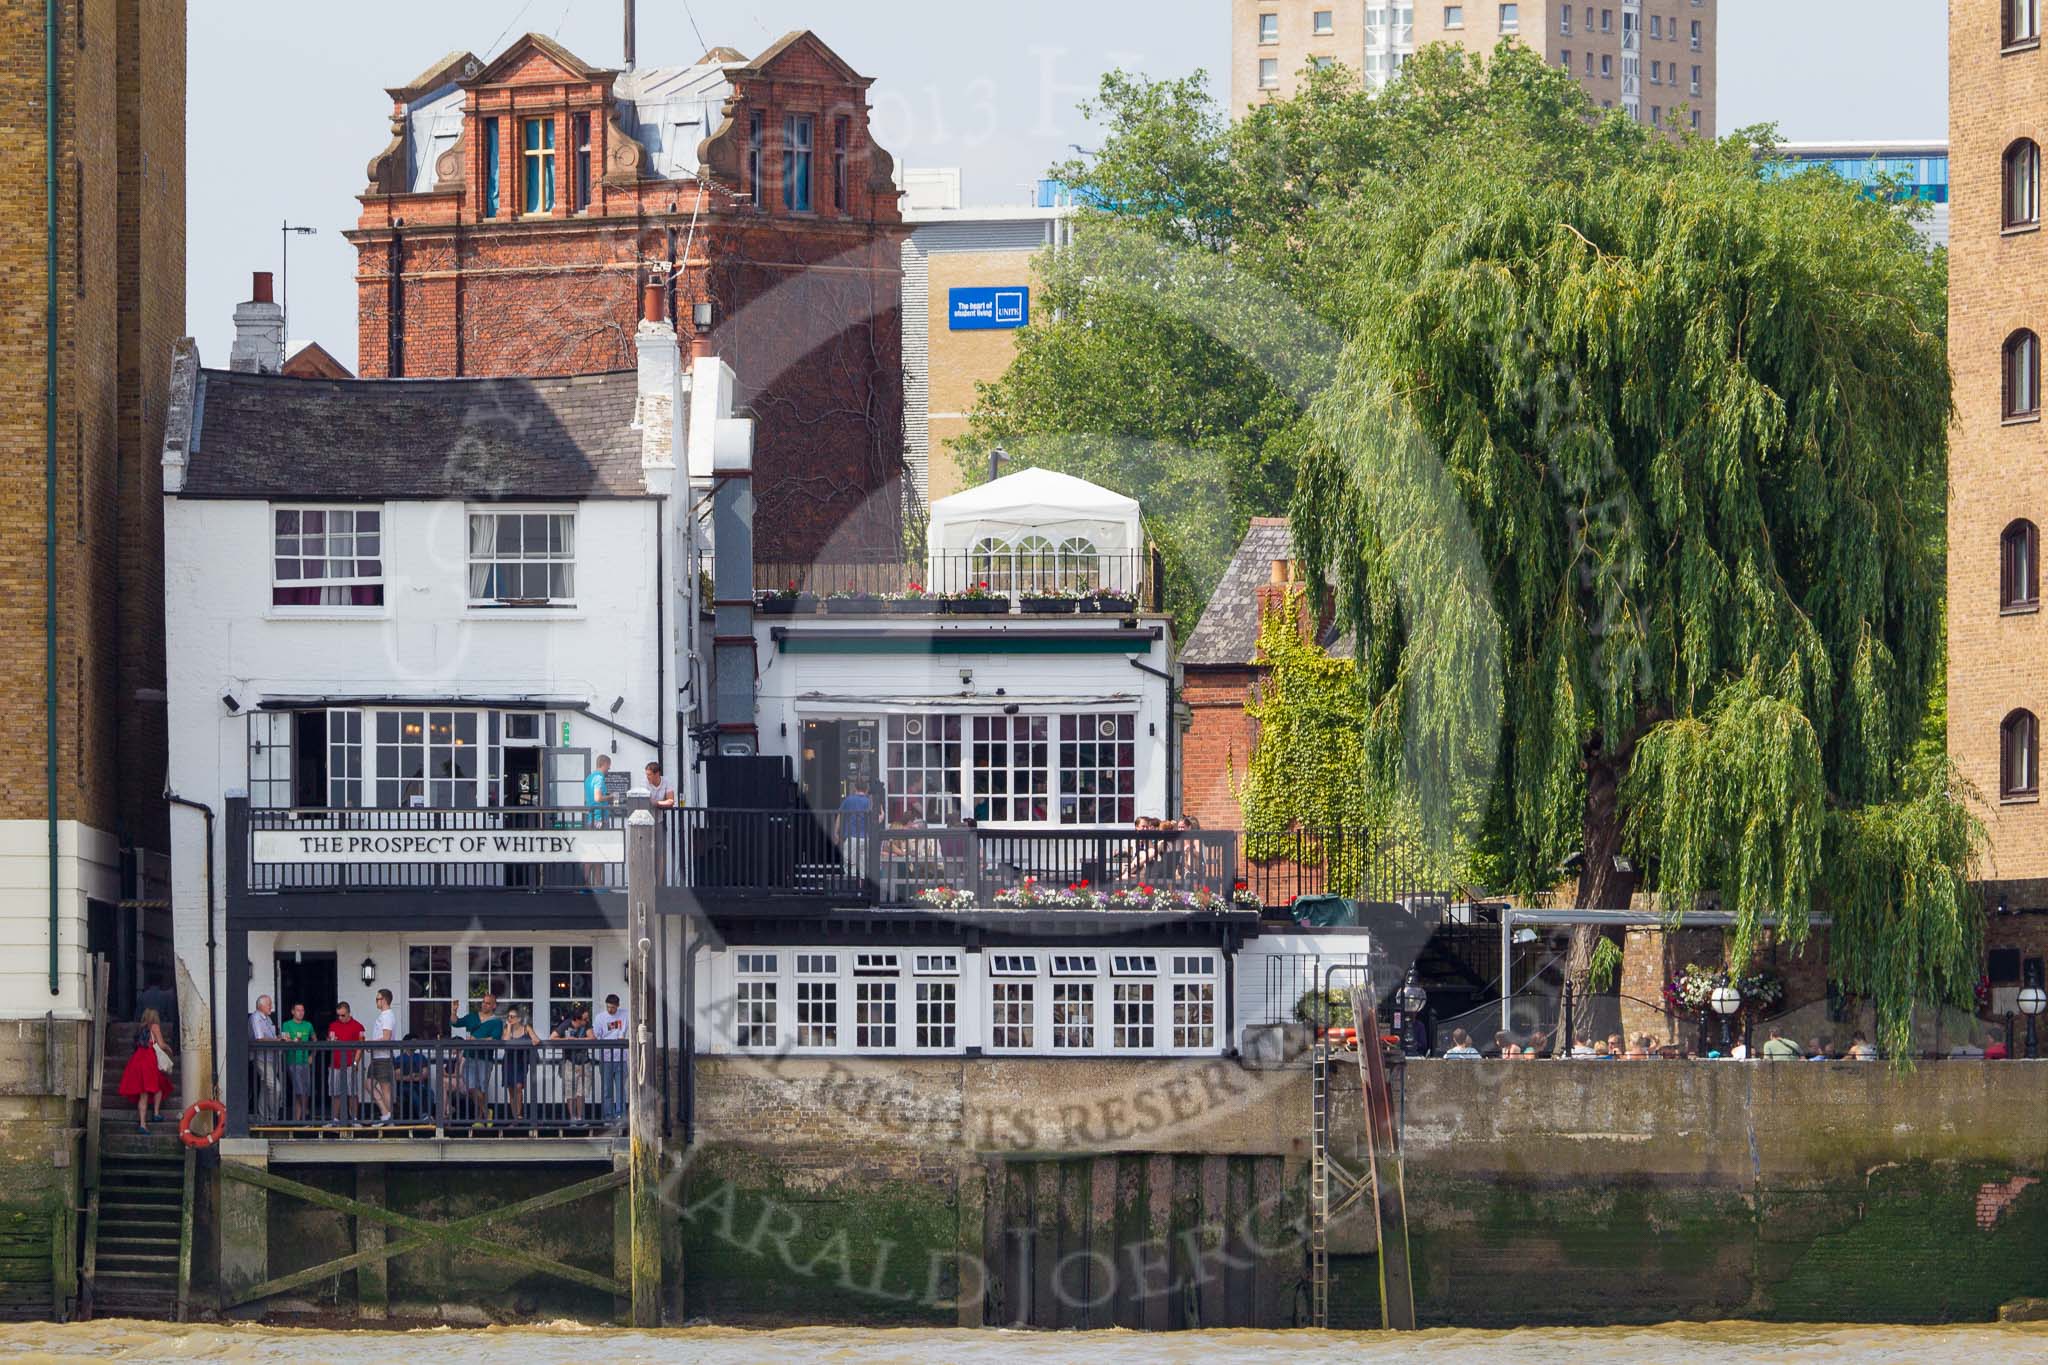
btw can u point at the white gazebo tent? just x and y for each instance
(1036, 530)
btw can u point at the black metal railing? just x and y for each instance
(1046, 580)
(440, 1087)
(849, 859)
(1282, 868)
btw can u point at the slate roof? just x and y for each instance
(269, 436)
(1228, 633)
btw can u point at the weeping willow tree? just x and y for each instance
(1678, 433)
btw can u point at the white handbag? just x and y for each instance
(163, 1057)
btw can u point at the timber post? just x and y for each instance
(644, 1113)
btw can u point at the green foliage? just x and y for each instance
(1606, 968)
(1309, 770)
(1691, 426)
(1628, 462)
(1313, 767)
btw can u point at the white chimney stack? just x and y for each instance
(259, 331)
(659, 410)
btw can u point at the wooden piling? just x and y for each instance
(644, 1115)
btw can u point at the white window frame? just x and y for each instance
(355, 513)
(877, 1002)
(1324, 22)
(1269, 73)
(1454, 16)
(1269, 30)
(757, 1000)
(476, 559)
(1511, 17)
(272, 773)
(818, 1020)
(1194, 989)
(1093, 1002)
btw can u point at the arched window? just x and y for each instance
(987, 563)
(2019, 566)
(2018, 755)
(1037, 564)
(2022, 21)
(1080, 566)
(2022, 375)
(2022, 184)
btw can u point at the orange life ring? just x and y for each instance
(220, 1119)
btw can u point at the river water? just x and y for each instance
(1725, 1343)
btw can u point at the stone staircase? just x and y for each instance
(135, 1238)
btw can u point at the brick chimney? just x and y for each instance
(259, 331)
(1287, 582)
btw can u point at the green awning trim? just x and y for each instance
(964, 642)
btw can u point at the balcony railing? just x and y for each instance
(438, 1088)
(1045, 579)
(848, 860)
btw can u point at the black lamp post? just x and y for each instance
(2032, 1001)
(1409, 1025)
(1726, 1000)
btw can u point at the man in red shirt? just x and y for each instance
(344, 1077)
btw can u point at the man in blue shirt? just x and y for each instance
(856, 809)
(597, 798)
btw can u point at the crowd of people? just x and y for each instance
(501, 1071)
(1777, 1047)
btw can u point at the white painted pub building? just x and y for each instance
(407, 619)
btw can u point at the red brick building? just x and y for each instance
(1221, 668)
(522, 202)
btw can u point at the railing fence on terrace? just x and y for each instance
(453, 1088)
(1048, 573)
(851, 859)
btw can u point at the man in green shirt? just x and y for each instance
(1781, 1049)
(479, 1065)
(298, 1061)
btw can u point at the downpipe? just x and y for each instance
(212, 949)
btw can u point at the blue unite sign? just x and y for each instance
(999, 309)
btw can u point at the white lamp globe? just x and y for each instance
(1725, 1000)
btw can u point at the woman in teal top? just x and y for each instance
(479, 1065)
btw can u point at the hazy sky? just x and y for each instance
(287, 101)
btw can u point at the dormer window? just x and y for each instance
(538, 153)
(798, 131)
(842, 135)
(492, 167)
(754, 187)
(583, 162)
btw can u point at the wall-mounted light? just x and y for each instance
(227, 699)
(369, 971)
(617, 702)
(702, 315)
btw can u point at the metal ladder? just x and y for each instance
(1319, 1185)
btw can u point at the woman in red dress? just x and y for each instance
(143, 1080)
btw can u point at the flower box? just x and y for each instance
(1046, 606)
(1108, 606)
(975, 606)
(777, 605)
(914, 606)
(865, 604)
